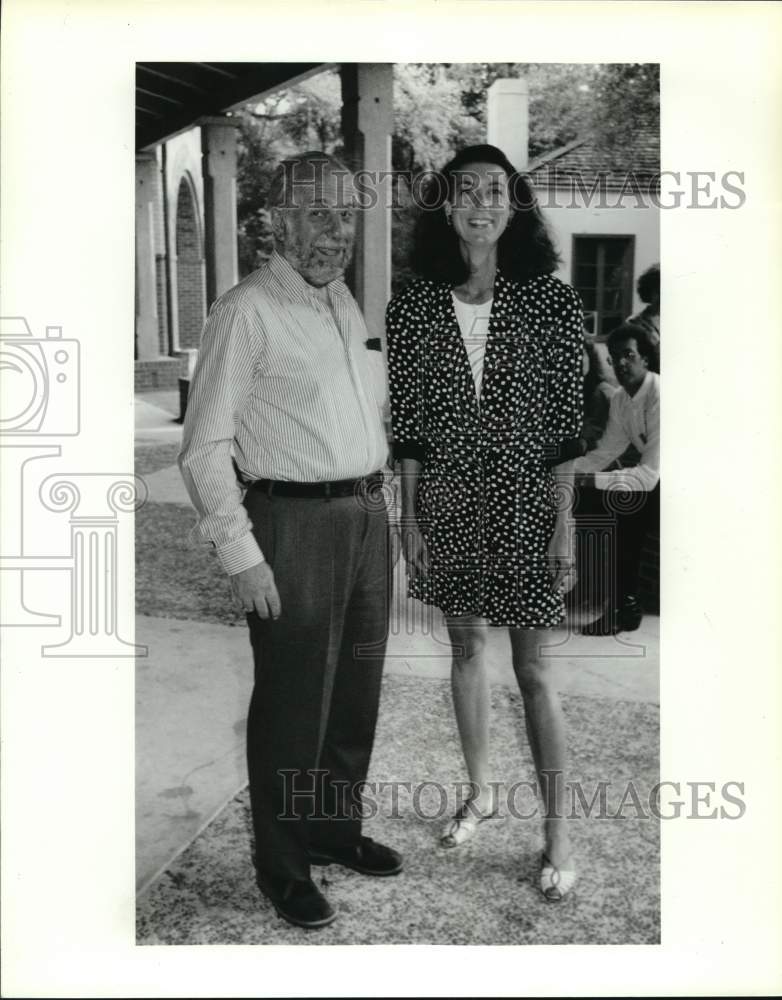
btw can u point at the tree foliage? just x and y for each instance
(625, 95)
(438, 108)
(429, 117)
(303, 117)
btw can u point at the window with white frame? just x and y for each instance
(603, 277)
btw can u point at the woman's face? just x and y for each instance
(481, 207)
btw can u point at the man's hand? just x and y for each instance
(255, 590)
(414, 549)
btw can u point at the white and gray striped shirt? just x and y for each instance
(287, 387)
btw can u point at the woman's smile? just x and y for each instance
(480, 208)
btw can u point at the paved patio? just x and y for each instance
(192, 689)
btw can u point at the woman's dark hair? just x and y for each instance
(649, 284)
(524, 250)
(629, 331)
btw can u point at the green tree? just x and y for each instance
(438, 108)
(561, 98)
(626, 96)
(306, 116)
(430, 120)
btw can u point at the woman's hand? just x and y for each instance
(562, 558)
(414, 548)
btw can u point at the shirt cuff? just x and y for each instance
(621, 479)
(241, 554)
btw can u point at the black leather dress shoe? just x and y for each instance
(299, 901)
(366, 857)
(630, 614)
(626, 618)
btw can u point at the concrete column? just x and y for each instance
(368, 106)
(218, 146)
(173, 301)
(147, 345)
(508, 120)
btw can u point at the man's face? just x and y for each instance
(630, 366)
(315, 230)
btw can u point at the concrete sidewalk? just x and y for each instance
(193, 689)
(155, 417)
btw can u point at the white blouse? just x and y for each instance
(474, 325)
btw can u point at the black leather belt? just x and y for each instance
(318, 491)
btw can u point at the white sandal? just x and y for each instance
(556, 883)
(465, 824)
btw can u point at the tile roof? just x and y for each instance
(590, 161)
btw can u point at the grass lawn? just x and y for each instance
(176, 578)
(154, 457)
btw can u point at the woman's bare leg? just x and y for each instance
(472, 702)
(546, 734)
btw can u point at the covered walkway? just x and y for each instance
(186, 177)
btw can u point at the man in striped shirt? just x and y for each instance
(282, 455)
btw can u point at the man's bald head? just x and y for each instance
(298, 174)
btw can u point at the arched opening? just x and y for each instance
(189, 268)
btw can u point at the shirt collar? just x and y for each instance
(646, 386)
(293, 283)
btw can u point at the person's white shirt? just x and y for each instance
(631, 420)
(473, 322)
(284, 389)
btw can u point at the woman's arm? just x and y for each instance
(404, 333)
(413, 544)
(404, 329)
(563, 425)
(562, 547)
(411, 469)
(565, 380)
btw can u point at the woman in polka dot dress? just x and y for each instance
(485, 363)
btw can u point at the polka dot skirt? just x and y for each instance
(486, 501)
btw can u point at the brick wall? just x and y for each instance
(162, 302)
(190, 275)
(162, 373)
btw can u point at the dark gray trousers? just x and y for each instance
(318, 668)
